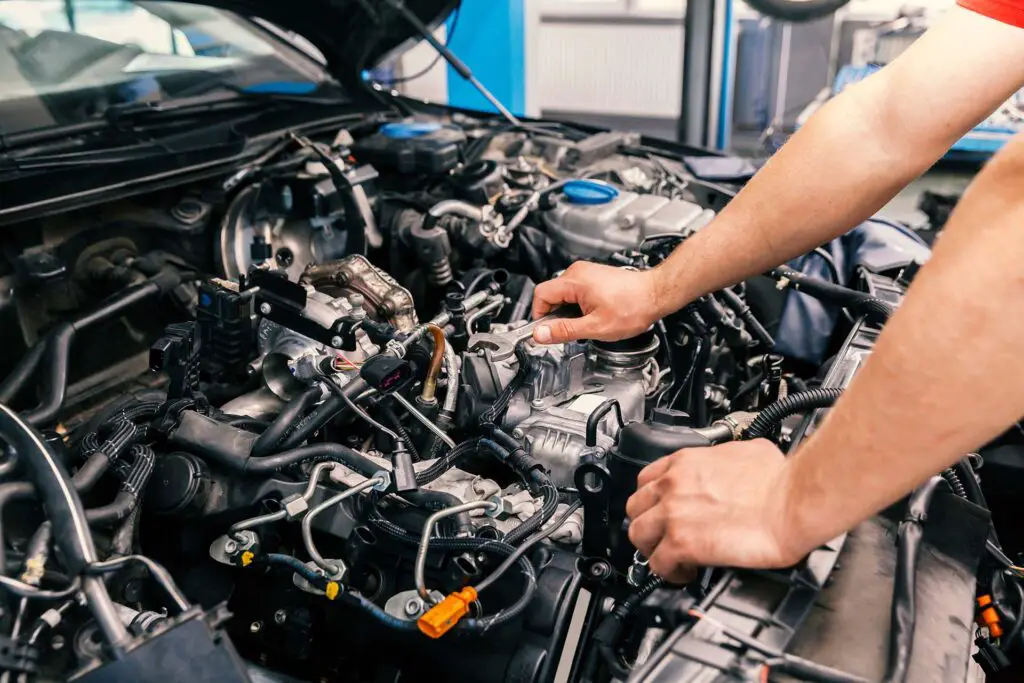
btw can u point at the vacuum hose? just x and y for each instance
(775, 413)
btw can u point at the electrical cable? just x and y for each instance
(773, 414)
(526, 546)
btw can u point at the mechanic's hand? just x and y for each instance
(723, 506)
(616, 303)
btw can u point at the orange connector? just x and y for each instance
(443, 616)
(987, 616)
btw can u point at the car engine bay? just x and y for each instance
(301, 407)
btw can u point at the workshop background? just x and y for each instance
(622, 64)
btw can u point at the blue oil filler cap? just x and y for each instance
(407, 130)
(589, 192)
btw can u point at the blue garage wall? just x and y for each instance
(490, 38)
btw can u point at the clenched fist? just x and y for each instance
(724, 506)
(616, 303)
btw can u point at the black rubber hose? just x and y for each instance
(22, 373)
(549, 506)
(323, 414)
(292, 412)
(221, 443)
(859, 303)
(497, 410)
(625, 609)
(698, 401)
(64, 509)
(141, 404)
(58, 346)
(396, 424)
(904, 607)
(954, 482)
(318, 452)
(742, 310)
(131, 490)
(429, 474)
(775, 413)
(594, 421)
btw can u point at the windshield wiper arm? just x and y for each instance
(234, 99)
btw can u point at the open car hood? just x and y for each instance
(352, 34)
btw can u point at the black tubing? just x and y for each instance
(859, 303)
(221, 443)
(954, 482)
(323, 414)
(396, 424)
(742, 310)
(594, 421)
(57, 353)
(10, 492)
(630, 604)
(497, 410)
(904, 615)
(773, 414)
(131, 489)
(292, 412)
(429, 474)
(64, 509)
(318, 452)
(23, 371)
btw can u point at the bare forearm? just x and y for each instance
(944, 377)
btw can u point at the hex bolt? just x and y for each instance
(412, 607)
(336, 342)
(280, 616)
(265, 308)
(255, 627)
(230, 546)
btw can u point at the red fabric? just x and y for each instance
(1007, 11)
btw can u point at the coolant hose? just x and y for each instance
(742, 310)
(292, 412)
(322, 414)
(775, 413)
(64, 510)
(904, 608)
(445, 463)
(57, 350)
(429, 391)
(131, 490)
(859, 303)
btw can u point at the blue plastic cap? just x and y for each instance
(405, 131)
(589, 192)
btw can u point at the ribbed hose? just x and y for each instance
(538, 519)
(396, 424)
(626, 608)
(497, 410)
(954, 483)
(775, 413)
(131, 490)
(858, 303)
(425, 476)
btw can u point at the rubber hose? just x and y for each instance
(429, 474)
(396, 424)
(741, 309)
(494, 414)
(904, 607)
(131, 490)
(64, 509)
(594, 421)
(625, 609)
(292, 412)
(221, 443)
(323, 414)
(954, 483)
(144, 403)
(23, 371)
(319, 452)
(10, 492)
(775, 413)
(859, 302)
(538, 519)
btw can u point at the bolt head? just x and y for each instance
(412, 607)
(265, 308)
(255, 627)
(57, 643)
(336, 342)
(280, 616)
(230, 547)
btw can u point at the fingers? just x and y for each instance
(549, 295)
(646, 531)
(643, 500)
(566, 329)
(667, 563)
(653, 471)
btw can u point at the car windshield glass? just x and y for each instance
(66, 61)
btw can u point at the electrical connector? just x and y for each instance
(443, 616)
(988, 617)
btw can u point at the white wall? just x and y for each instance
(619, 69)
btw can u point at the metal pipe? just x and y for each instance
(333, 571)
(444, 317)
(451, 368)
(157, 571)
(307, 495)
(428, 527)
(423, 419)
(457, 207)
(490, 307)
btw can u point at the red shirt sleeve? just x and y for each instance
(1007, 11)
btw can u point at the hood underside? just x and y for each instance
(352, 34)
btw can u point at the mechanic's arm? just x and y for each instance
(944, 379)
(849, 160)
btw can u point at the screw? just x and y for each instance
(600, 570)
(412, 607)
(57, 642)
(230, 546)
(255, 627)
(280, 616)
(265, 308)
(336, 342)
(518, 433)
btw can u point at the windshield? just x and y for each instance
(66, 61)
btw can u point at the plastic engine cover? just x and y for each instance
(412, 147)
(594, 219)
